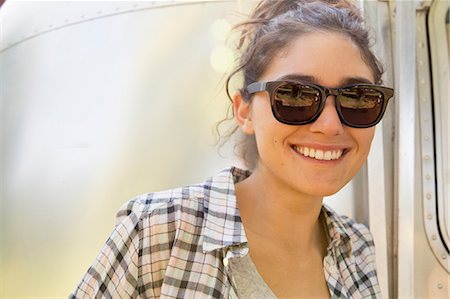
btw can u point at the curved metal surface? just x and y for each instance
(72, 15)
(93, 114)
(427, 143)
(432, 276)
(440, 66)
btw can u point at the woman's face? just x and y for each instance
(331, 60)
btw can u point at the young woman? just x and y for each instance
(309, 101)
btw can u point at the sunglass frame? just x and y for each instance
(272, 86)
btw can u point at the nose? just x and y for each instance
(328, 122)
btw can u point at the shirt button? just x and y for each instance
(225, 261)
(330, 260)
(331, 264)
(333, 269)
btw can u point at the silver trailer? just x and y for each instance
(102, 101)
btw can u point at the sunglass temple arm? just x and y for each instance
(256, 86)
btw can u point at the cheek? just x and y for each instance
(364, 139)
(264, 124)
(269, 133)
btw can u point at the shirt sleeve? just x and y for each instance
(115, 271)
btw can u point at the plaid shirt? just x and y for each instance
(176, 244)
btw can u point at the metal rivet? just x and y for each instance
(426, 138)
(422, 81)
(421, 62)
(428, 176)
(426, 157)
(440, 286)
(433, 237)
(428, 195)
(424, 99)
(430, 217)
(421, 45)
(444, 256)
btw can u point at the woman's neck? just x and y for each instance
(273, 211)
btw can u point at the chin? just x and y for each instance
(322, 191)
(331, 192)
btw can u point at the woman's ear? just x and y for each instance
(243, 113)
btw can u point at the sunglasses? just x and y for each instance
(296, 103)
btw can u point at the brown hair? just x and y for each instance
(271, 27)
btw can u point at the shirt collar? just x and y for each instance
(337, 230)
(223, 225)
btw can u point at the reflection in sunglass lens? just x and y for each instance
(296, 102)
(360, 105)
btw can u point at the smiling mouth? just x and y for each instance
(318, 154)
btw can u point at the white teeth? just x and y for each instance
(318, 153)
(334, 155)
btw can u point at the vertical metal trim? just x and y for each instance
(405, 82)
(377, 207)
(2, 158)
(378, 192)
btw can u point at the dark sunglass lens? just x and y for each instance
(361, 105)
(295, 102)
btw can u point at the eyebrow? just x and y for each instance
(312, 79)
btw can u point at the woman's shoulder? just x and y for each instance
(162, 208)
(355, 254)
(187, 202)
(148, 228)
